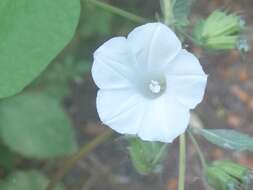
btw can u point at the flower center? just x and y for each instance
(154, 86)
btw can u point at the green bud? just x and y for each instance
(222, 42)
(240, 172)
(221, 24)
(220, 31)
(219, 180)
(226, 175)
(146, 156)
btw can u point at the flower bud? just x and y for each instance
(146, 156)
(226, 175)
(219, 31)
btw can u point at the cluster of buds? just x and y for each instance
(220, 31)
(226, 175)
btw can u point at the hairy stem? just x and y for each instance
(87, 148)
(182, 151)
(118, 11)
(167, 11)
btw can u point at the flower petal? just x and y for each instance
(186, 79)
(164, 120)
(154, 45)
(112, 65)
(188, 89)
(121, 110)
(184, 63)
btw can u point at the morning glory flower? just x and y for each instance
(147, 83)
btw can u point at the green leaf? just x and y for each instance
(29, 180)
(227, 175)
(227, 139)
(32, 33)
(181, 11)
(176, 12)
(35, 126)
(7, 158)
(146, 156)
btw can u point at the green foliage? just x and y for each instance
(176, 12)
(226, 175)
(95, 22)
(146, 156)
(56, 78)
(218, 179)
(35, 126)
(181, 11)
(220, 31)
(228, 139)
(32, 33)
(235, 170)
(29, 180)
(7, 158)
(197, 31)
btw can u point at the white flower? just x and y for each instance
(148, 83)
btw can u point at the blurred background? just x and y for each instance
(228, 104)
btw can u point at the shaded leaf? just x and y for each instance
(7, 158)
(146, 156)
(29, 180)
(35, 126)
(181, 11)
(227, 139)
(55, 80)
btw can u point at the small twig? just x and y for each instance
(87, 148)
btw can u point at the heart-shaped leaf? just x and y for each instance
(32, 33)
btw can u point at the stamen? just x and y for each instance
(155, 86)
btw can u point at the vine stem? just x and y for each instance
(118, 11)
(201, 155)
(167, 11)
(67, 165)
(182, 151)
